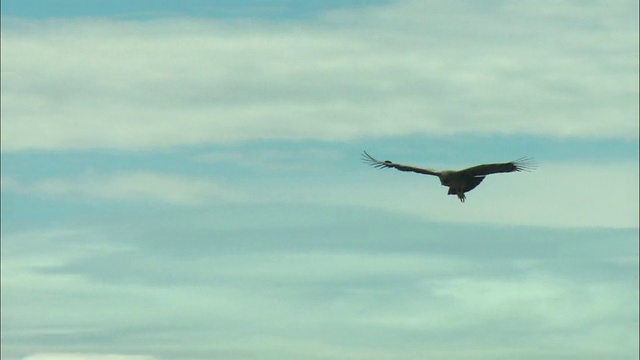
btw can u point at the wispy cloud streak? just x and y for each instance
(136, 186)
(408, 67)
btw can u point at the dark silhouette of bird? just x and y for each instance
(461, 181)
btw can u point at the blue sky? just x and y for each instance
(140, 9)
(182, 180)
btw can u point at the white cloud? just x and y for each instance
(407, 67)
(366, 303)
(8, 183)
(272, 160)
(137, 186)
(81, 356)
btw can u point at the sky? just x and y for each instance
(182, 179)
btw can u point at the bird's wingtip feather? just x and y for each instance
(369, 159)
(526, 164)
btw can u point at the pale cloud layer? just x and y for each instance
(8, 183)
(349, 293)
(81, 356)
(548, 68)
(136, 186)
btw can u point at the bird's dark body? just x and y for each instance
(462, 181)
(461, 184)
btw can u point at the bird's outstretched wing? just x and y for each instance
(388, 164)
(522, 164)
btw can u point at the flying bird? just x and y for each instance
(462, 181)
